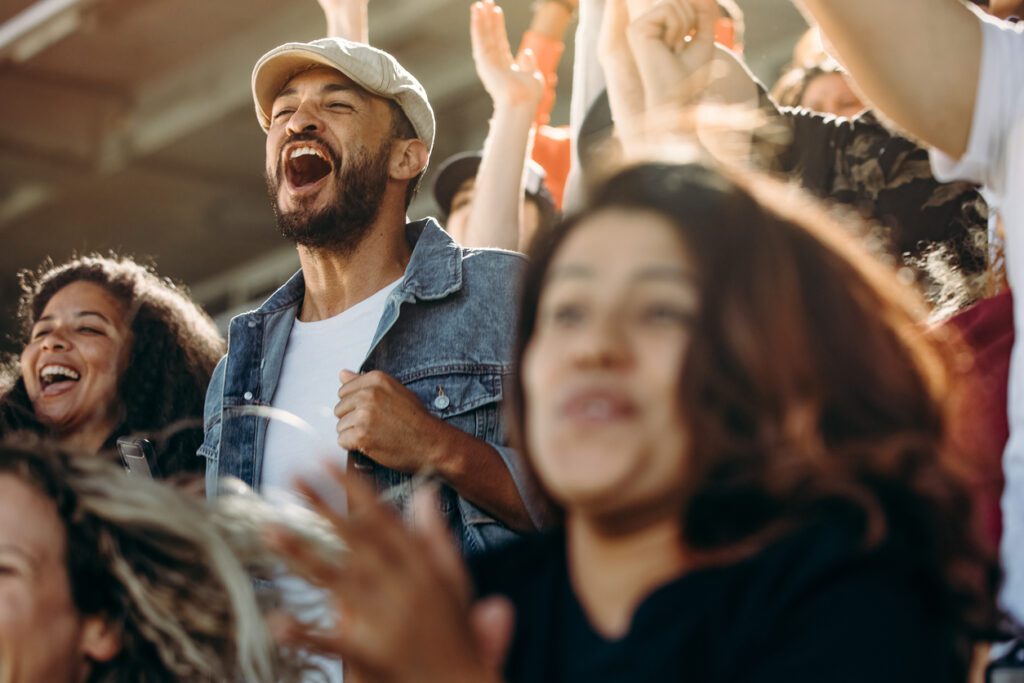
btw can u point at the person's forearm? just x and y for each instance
(731, 81)
(350, 22)
(626, 102)
(917, 61)
(551, 19)
(495, 216)
(477, 473)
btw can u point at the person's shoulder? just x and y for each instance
(499, 259)
(797, 589)
(516, 567)
(495, 272)
(817, 554)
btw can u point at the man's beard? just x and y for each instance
(358, 189)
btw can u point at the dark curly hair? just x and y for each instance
(175, 348)
(811, 390)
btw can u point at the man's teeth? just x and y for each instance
(306, 151)
(53, 373)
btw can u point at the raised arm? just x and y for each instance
(917, 61)
(546, 39)
(664, 59)
(515, 87)
(347, 19)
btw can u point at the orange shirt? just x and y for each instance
(550, 144)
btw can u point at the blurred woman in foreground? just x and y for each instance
(109, 578)
(111, 349)
(746, 429)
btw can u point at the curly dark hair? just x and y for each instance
(175, 348)
(812, 388)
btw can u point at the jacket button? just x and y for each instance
(442, 402)
(247, 396)
(252, 323)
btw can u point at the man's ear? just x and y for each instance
(101, 639)
(408, 159)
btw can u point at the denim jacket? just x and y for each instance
(446, 334)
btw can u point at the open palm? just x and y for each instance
(506, 79)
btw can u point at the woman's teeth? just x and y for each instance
(51, 374)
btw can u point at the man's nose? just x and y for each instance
(304, 120)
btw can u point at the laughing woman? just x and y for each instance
(110, 349)
(747, 432)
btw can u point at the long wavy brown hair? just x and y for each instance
(811, 391)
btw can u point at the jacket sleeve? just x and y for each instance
(212, 412)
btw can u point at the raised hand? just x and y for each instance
(673, 45)
(507, 80)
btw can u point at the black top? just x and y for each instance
(812, 607)
(857, 163)
(886, 178)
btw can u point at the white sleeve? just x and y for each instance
(997, 109)
(995, 158)
(587, 83)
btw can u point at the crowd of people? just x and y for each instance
(715, 383)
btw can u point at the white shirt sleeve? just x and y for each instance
(587, 83)
(995, 158)
(997, 109)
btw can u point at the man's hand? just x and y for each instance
(508, 81)
(379, 417)
(402, 599)
(673, 45)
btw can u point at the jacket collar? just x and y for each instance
(434, 270)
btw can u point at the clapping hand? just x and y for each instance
(401, 598)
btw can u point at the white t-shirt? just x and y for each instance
(308, 388)
(316, 354)
(995, 158)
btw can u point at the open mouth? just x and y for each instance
(56, 378)
(305, 166)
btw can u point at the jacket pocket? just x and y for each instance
(468, 400)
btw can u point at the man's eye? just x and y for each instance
(89, 330)
(282, 112)
(343, 106)
(40, 333)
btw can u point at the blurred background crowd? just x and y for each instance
(129, 126)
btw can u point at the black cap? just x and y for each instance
(458, 168)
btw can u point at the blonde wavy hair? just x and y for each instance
(171, 572)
